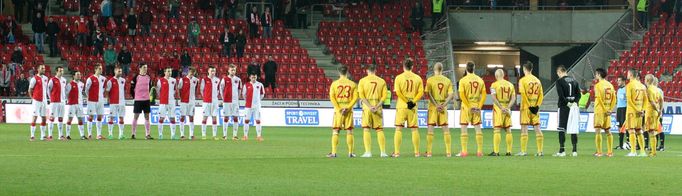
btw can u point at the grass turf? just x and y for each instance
(291, 162)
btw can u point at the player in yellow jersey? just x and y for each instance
(409, 89)
(472, 93)
(532, 95)
(604, 103)
(635, 92)
(439, 89)
(504, 97)
(653, 106)
(372, 94)
(343, 95)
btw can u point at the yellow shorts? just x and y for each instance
(652, 122)
(528, 118)
(436, 118)
(466, 117)
(342, 122)
(633, 121)
(602, 121)
(372, 120)
(501, 120)
(406, 115)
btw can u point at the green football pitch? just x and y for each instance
(291, 162)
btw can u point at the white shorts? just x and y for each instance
(230, 109)
(187, 109)
(39, 108)
(167, 110)
(95, 108)
(117, 110)
(210, 109)
(76, 111)
(56, 110)
(255, 112)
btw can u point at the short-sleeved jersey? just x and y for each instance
(94, 86)
(230, 88)
(343, 93)
(472, 91)
(166, 89)
(75, 92)
(56, 91)
(372, 88)
(39, 85)
(116, 89)
(408, 86)
(531, 91)
(209, 89)
(604, 97)
(188, 88)
(439, 88)
(253, 93)
(653, 98)
(635, 93)
(503, 91)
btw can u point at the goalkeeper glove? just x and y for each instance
(410, 105)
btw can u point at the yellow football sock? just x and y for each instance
(429, 142)
(633, 143)
(397, 140)
(367, 140)
(335, 142)
(652, 143)
(448, 142)
(540, 140)
(609, 143)
(382, 140)
(524, 142)
(349, 142)
(415, 141)
(510, 141)
(496, 141)
(479, 142)
(464, 139)
(597, 142)
(640, 141)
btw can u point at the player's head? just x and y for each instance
(143, 69)
(561, 71)
(343, 70)
(232, 70)
(600, 73)
(438, 68)
(621, 80)
(633, 74)
(191, 71)
(77, 76)
(167, 72)
(408, 64)
(527, 68)
(470, 67)
(118, 71)
(59, 71)
(211, 71)
(98, 69)
(41, 69)
(650, 79)
(499, 74)
(371, 69)
(253, 76)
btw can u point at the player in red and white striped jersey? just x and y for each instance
(188, 90)
(209, 94)
(55, 87)
(38, 90)
(230, 88)
(94, 91)
(115, 92)
(166, 94)
(253, 93)
(74, 95)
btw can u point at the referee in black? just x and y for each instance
(621, 104)
(569, 92)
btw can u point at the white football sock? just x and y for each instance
(33, 131)
(246, 130)
(172, 128)
(160, 129)
(225, 126)
(215, 130)
(191, 129)
(182, 128)
(59, 129)
(68, 130)
(120, 130)
(80, 130)
(49, 128)
(42, 131)
(90, 124)
(99, 127)
(203, 130)
(258, 130)
(111, 128)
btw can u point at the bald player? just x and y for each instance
(504, 97)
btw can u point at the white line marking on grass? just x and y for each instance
(69, 156)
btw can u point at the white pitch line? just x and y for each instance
(71, 156)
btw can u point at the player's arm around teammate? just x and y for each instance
(439, 90)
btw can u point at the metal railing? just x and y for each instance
(438, 48)
(317, 15)
(539, 8)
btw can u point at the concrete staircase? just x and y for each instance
(307, 38)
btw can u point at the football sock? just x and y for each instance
(335, 142)
(68, 129)
(203, 130)
(448, 142)
(349, 142)
(259, 130)
(110, 127)
(662, 139)
(562, 141)
(181, 125)
(620, 139)
(367, 141)
(633, 143)
(59, 128)
(652, 143)
(172, 129)
(479, 142)
(215, 130)
(540, 140)
(381, 140)
(80, 130)
(524, 142)
(415, 141)
(33, 130)
(597, 142)
(147, 127)
(90, 124)
(496, 141)
(134, 127)
(574, 142)
(160, 126)
(246, 130)
(609, 143)
(397, 141)
(99, 127)
(50, 125)
(464, 139)
(429, 142)
(640, 141)
(510, 140)
(121, 127)
(235, 129)
(191, 129)
(42, 130)
(646, 139)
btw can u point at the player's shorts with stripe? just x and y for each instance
(633, 121)
(39, 108)
(602, 121)
(187, 109)
(652, 122)
(466, 117)
(436, 118)
(408, 116)
(341, 122)
(528, 118)
(75, 111)
(373, 120)
(210, 109)
(501, 120)
(95, 108)
(56, 110)
(230, 109)
(167, 110)
(117, 110)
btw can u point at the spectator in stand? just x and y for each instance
(111, 26)
(302, 12)
(8, 28)
(132, 22)
(226, 39)
(5, 77)
(52, 32)
(81, 31)
(241, 42)
(21, 85)
(39, 7)
(417, 17)
(130, 4)
(270, 69)
(92, 25)
(118, 11)
(146, 21)
(110, 58)
(173, 8)
(289, 11)
(193, 31)
(17, 56)
(185, 61)
(124, 59)
(267, 23)
(18, 9)
(84, 7)
(39, 27)
(254, 68)
(219, 9)
(437, 11)
(98, 43)
(105, 10)
(254, 22)
(232, 8)
(175, 64)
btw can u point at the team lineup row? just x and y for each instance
(97, 90)
(644, 104)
